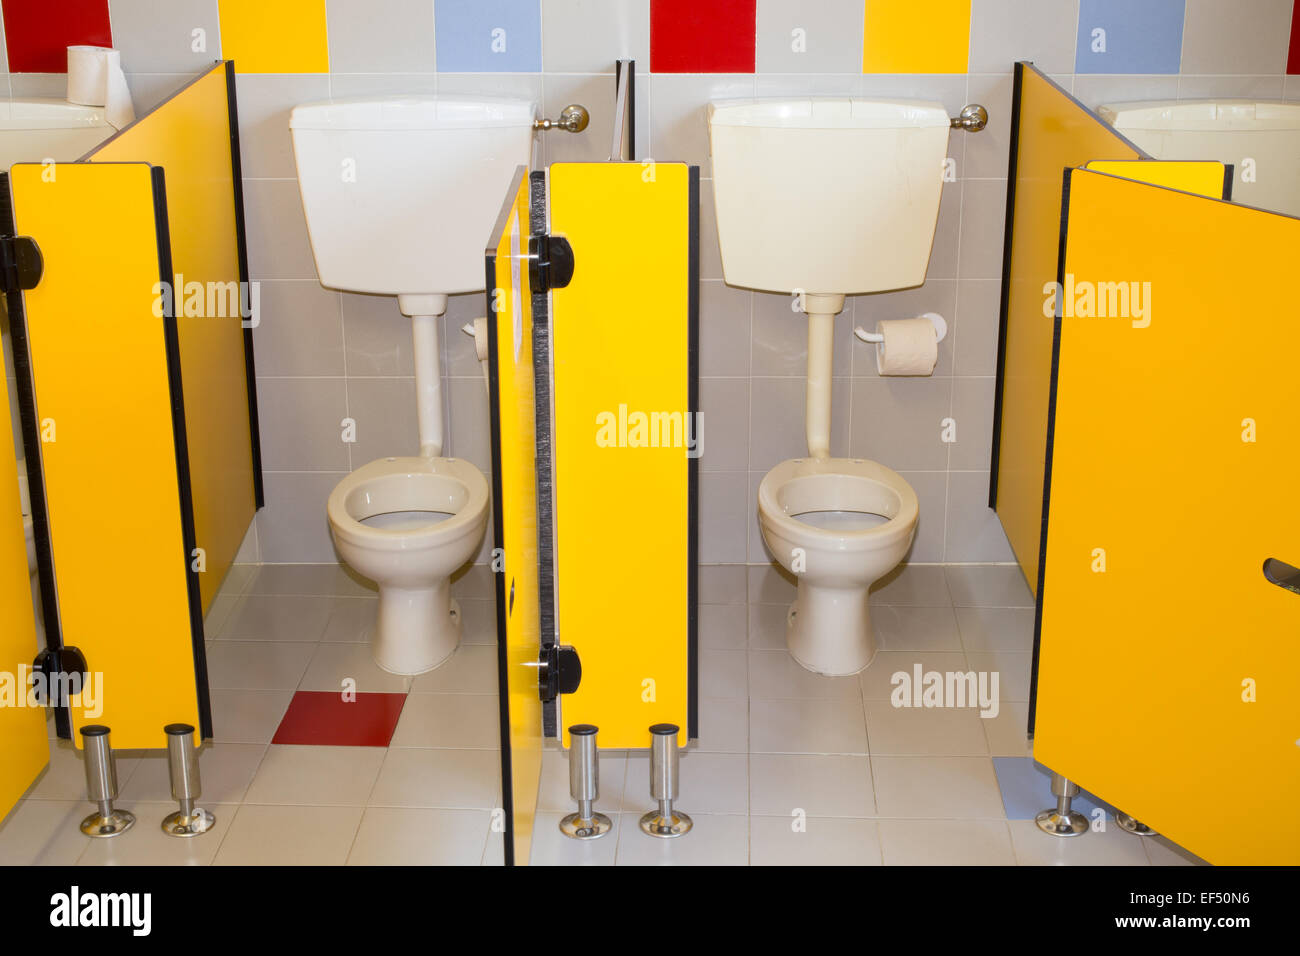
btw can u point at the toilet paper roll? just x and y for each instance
(910, 347)
(95, 78)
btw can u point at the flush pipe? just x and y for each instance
(821, 311)
(425, 312)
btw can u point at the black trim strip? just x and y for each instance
(631, 110)
(250, 370)
(693, 463)
(1051, 441)
(546, 583)
(1005, 299)
(189, 542)
(1228, 171)
(30, 426)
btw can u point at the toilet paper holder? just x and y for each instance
(937, 320)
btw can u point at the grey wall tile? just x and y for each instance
(459, 349)
(265, 101)
(1245, 36)
(936, 295)
(724, 508)
(678, 128)
(1003, 31)
(1099, 89)
(897, 421)
(987, 151)
(150, 89)
(1246, 87)
(299, 330)
(776, 420)
(972, 410)
(974, 533)
(808, 84)
(975, 335)
(797, 37)
(984, 209)
(947, 234)
(293, 527)
(710, 251)
(345, 85)
(380, 36)
(466, 404)
(596, 92)
(724, 329)
(587, 36)
(38, 84)
(384, 410)
(779, 338)
(159, 37)
(724, 408)
(376, 335)
(301, 423)
(278, 247)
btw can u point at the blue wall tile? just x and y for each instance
(488, 36)
(1141, 36)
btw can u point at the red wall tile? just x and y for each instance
(38, 32)
(702, 36)
(1293, 62)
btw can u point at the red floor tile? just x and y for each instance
(325, 719)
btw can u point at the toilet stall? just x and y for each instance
(1148, 328)
(129, 308)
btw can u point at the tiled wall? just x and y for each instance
(324, 356)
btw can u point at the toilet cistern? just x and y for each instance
(850, 188)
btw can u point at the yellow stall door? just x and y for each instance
(24, 743)
(109, 409)
(1169, 646)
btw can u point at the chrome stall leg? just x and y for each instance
(101, 785)
(584, 786)
(1130, 825)
(1062, 821)
(183, 762)
(664, 822)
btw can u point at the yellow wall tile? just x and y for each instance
(284, 36)
(916, 36)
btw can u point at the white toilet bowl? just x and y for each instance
(407, 524)
(838, 525)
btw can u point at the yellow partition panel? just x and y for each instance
(105, 372)
(1204, 178)
(623, 335)
(190, 137)
(24, 743)
(1167, 657)
(514, 516)
(1050, 132)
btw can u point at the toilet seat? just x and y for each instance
(449, 486)
(803, 485)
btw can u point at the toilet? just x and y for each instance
(821, 198)
(400, 196)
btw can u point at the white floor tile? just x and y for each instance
(813, 841)
(722, 626)
(807, 726)
(767, 626)
(449, 779)
(553, 791)
(308, 579)
(723, 673)
(936, 731)
(1111, 847)
(478, 621)
(449, 720)
(901, 627)
(707, 783)
(1008, 732)
(276, 617)
(996, 628)
(715, 840)
(722, 584)
(946, 787)
(819, 785)
(775, 674)
(472, 669)
(44, 833)
(915, 584)
(988, 585)
(65, 776)
(289, 836)
(393, 836)
(880, 680)
(248, 665)
(550, 847)
(316, 776)
(351, 620)
(225, 771)
(1014, 669)
(248, 716)
(333, 664)
(724, 726)
(946, 843)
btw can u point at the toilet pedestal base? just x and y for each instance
(416, 629)
(828, 630)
